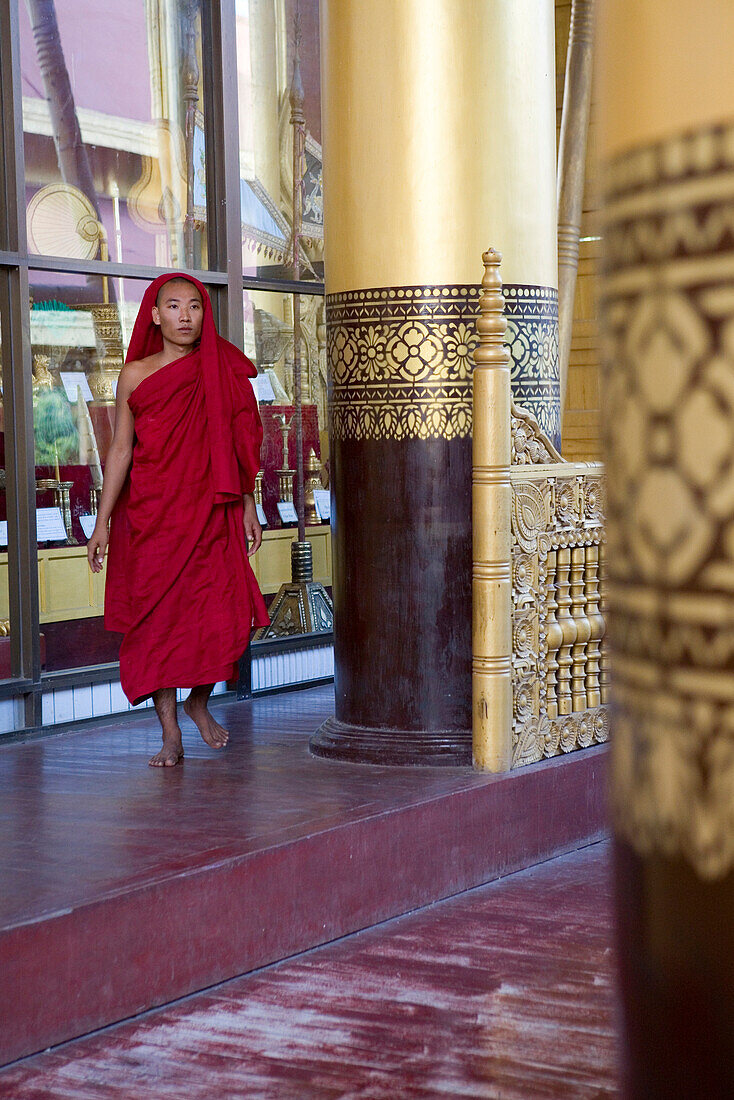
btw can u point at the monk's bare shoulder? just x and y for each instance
(134, 372)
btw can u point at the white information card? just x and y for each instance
(73, 381)
(287, 511)
(50, 525)
(322, 500)
(3, 532)
(263, 388)
(88, 523)
(261, 515)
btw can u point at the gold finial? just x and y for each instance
(492, 323)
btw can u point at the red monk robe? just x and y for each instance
(179, 584)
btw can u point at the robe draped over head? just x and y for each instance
(179, 585)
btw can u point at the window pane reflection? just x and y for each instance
(113, 119)
(79, 341)
(266, 35)
(269, 343)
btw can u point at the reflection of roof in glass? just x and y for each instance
(108, 131)
(262, 222)
(255, 212)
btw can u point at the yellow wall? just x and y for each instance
(67, 589)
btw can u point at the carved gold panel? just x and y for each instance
(558, 625)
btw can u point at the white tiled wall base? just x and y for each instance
(91, 701)
(297, 666)
(72, 704)
(10, 715)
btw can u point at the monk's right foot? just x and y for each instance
(216, 736)
(170, 755)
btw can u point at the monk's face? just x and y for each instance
(180, 312)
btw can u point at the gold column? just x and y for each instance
(667, 138)
(439, 133)
(491, 507)
(438, 120)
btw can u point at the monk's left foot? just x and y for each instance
(170, 755)
(216, 736)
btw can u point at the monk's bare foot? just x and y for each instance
(170, 755)
(214, 734)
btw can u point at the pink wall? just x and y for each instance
(106, 51)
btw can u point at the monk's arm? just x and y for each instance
(117, 465)
(253, 530)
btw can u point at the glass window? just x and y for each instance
(80, 331)
(113, 120)
(269, 343)
(266, 51)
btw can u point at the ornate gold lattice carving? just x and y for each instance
(669, 353)
(557, 530)
(558, 626)
(530, 445)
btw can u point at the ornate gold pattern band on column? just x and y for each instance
(669, 417)
(532, 336)
(400, 361)
(401, 358)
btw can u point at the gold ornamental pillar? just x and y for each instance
(667, 139)
(438, 119)
(492, 537)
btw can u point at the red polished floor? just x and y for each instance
(503, 992)
(237, 859)
(83, 816)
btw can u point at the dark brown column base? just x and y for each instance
(361, 745)
(676, 964)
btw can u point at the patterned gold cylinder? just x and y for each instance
(668, 302)
(452, 158)
(459, 155)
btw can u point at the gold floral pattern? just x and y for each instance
(532, 336)
(401, 359)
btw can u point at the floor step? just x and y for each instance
(125, 887)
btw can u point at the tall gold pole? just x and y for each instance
(571, 166)
(302, 606)
(491, 504)
(298, 122)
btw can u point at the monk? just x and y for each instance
(178, 498)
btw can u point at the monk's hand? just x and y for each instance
(97, 547)
(253, 530)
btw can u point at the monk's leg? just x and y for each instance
(172, 751)
(196, 708)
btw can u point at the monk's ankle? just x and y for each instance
(171, 736)
(195, 704)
